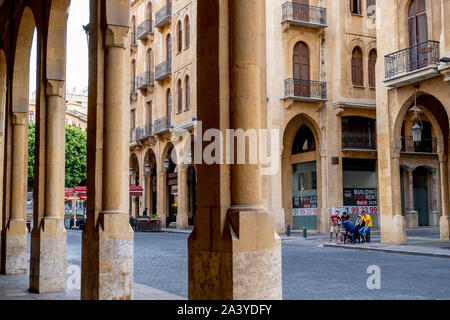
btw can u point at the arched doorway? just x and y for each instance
(150, 183)
(135, 201)
(304, 180)
(171, 185)
(301, 70)
(421, 203)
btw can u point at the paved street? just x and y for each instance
(309, 270)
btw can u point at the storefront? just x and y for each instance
(304, 195)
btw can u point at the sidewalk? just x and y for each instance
(422, 242)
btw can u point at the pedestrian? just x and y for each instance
(344, 217)
(367, 219)
(145, 212)
(133, 223)
(334, 226)
(349, 228)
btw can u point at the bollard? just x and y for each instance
(288, 230)
(305, 232)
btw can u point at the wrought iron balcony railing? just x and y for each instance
(133, 136)
(162, 125)
(141, 133)
(411, 59)
(304, 14)
(163, 70)
(358, 140)
(427, 145)
(163, 15)
(133, 39)
(144, 28)
(144, 80)
(305, 89)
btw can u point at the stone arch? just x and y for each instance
(169, 152)
(57, 40)
(21, 70)
(290, 131)
(440, 127)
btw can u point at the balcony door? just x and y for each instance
(301, 70)
(300, 9)
(418, 34)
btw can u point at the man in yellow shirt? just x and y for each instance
(367, 220)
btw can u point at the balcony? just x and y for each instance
(145, 80)
(145, 30)
(305, 90)
(412, 65)
(303, 15)
(163, 70)
(163, 16)
(428, 145)
(162, 125)
(359, 141)
(141, 133)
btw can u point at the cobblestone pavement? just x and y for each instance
(310, 271)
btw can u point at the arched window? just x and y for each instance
(418, 33)
(187, 30)
(180, 96)
(301, 70)
(188, 93)
(169, 103)
(169, 47)
(133, 30)
(372, 64)
(357, 67)
(304, 141)
(149, 60)
(133, 76)
(149, 13)
(179, 37)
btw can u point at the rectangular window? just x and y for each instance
(355, 6)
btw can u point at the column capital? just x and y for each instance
(116, 36)
(409, 170)
(19, 118)
(55, 88)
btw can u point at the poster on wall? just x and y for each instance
(305, 206)
(358, 200)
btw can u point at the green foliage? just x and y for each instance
(76, 156)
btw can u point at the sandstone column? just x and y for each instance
(182, 214)
(412, 216)
(234, 251)
(108, 242)
(16, 239)
(162, 197)
(445, 218)
(434, 213)
(48, 241)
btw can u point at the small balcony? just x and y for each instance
(305, 90)
(163, 70)
(145, 80)
(163, 15)
(359, 141)
(162, 125)
(141, 133)
(303, 15)
(144, 30)
(412, 65)
(427, 145)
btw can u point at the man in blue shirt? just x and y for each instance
(349, 228)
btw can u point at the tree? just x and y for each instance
(76, 156)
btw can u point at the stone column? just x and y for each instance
(16, 239)
(48, 241)
(108, 245)
(445, 218)
(162, 197)
(434, 213)
(412, 216)
(182, 214)
(234, 251)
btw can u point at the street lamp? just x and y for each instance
(166, 164)
(86, 30)
(417, 132)
(131, 172)
(147, 169)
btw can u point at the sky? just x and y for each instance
(77, 49)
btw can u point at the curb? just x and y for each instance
(165, 230)
(414, 253)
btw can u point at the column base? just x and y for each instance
(16, 248)
(48, 267)
(434, 217)
(246, 265)
(412, 219)
(445, 228)
(393, 229)
(107, 259)
(182, 221)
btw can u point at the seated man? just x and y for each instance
(358, 225)
(349, 228)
